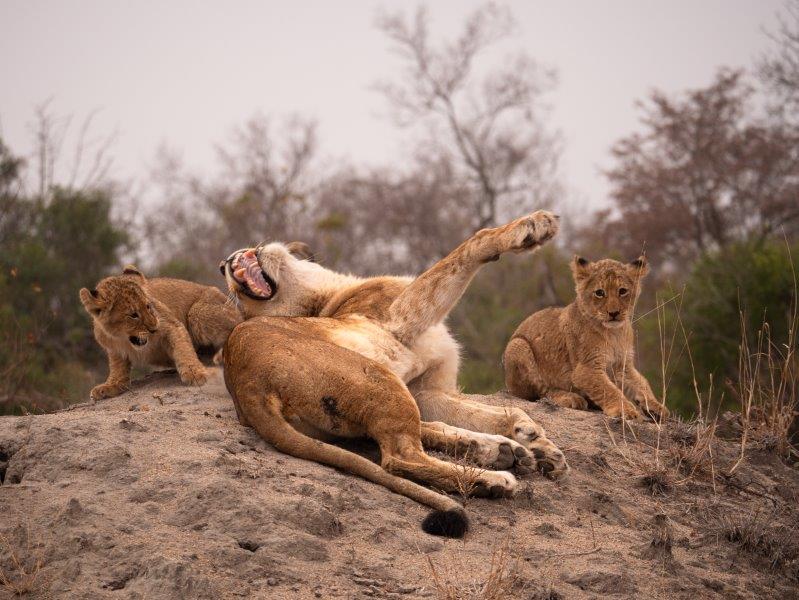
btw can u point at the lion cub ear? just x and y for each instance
(301, 250)
(639, 267)
(132, 270)
(580, 267)
(91, 301)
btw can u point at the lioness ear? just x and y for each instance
(639, 266)
(132, 270)
(301, 250)
(580, 267)
(91, 301)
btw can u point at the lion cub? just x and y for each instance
(159, 322)
(585, 350)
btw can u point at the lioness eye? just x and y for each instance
(599, 293)
(623, 291)
(134, 315)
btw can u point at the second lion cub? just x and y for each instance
(155, 322)
(585, 351)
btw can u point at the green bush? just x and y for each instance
(749, 284)
(49, 250)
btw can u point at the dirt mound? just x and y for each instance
(160, 493)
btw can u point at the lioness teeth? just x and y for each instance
(239, 273)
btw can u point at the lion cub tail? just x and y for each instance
(448, 517)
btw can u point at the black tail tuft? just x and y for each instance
(448, 523)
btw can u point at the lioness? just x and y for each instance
(158, 322)
(585, 351)
(386, 338)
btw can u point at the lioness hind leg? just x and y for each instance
(487, 450)
(458, 410)
(264, 412)
(405, 456)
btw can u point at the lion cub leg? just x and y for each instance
(181, 350)
(602, 391)
(635, 386)
(567, 399)
(431, 296)
(118, 380)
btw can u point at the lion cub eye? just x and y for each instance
(599, 293)
(134, 315)
(623, 291)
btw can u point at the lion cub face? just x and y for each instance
(607, 289)
(121, 306)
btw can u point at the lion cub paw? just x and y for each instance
(106, 390)
(193, 374)
(625, 410)
(655, 410)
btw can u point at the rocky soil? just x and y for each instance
(160, 493)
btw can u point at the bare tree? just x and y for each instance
(90, 162)
(704, 172)
(385, 221)
(779, 69)
(260, 192)
(491, 128)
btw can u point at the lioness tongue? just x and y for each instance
(250, 271)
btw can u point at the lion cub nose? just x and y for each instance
(615, 314)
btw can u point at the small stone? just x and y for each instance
(271, 581)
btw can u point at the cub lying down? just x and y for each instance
(157, 322)
(585, 350)
(326, 355)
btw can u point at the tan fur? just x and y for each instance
(174, 317)
(369, 343)
(295, 387)
(585, 351)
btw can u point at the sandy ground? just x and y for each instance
(160, 493)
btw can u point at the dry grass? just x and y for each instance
(768, 387)
(20, 564)
(467, 476)
(498, 583)
(756, 535)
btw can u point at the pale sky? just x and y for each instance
(184, 73)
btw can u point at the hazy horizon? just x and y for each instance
(184, 74)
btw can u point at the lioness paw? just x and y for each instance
(501, 453)
(533, 230)
(193, 374)
(105, 390)
(548, 458)
(494, 484)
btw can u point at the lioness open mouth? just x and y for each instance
(137, 341)
(252, 280)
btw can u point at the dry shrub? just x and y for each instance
(759, 536)
(768, 388)
(20, 563)
(498, 583)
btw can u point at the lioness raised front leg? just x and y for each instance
(430, 297)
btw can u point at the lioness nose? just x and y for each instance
(614, 314)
